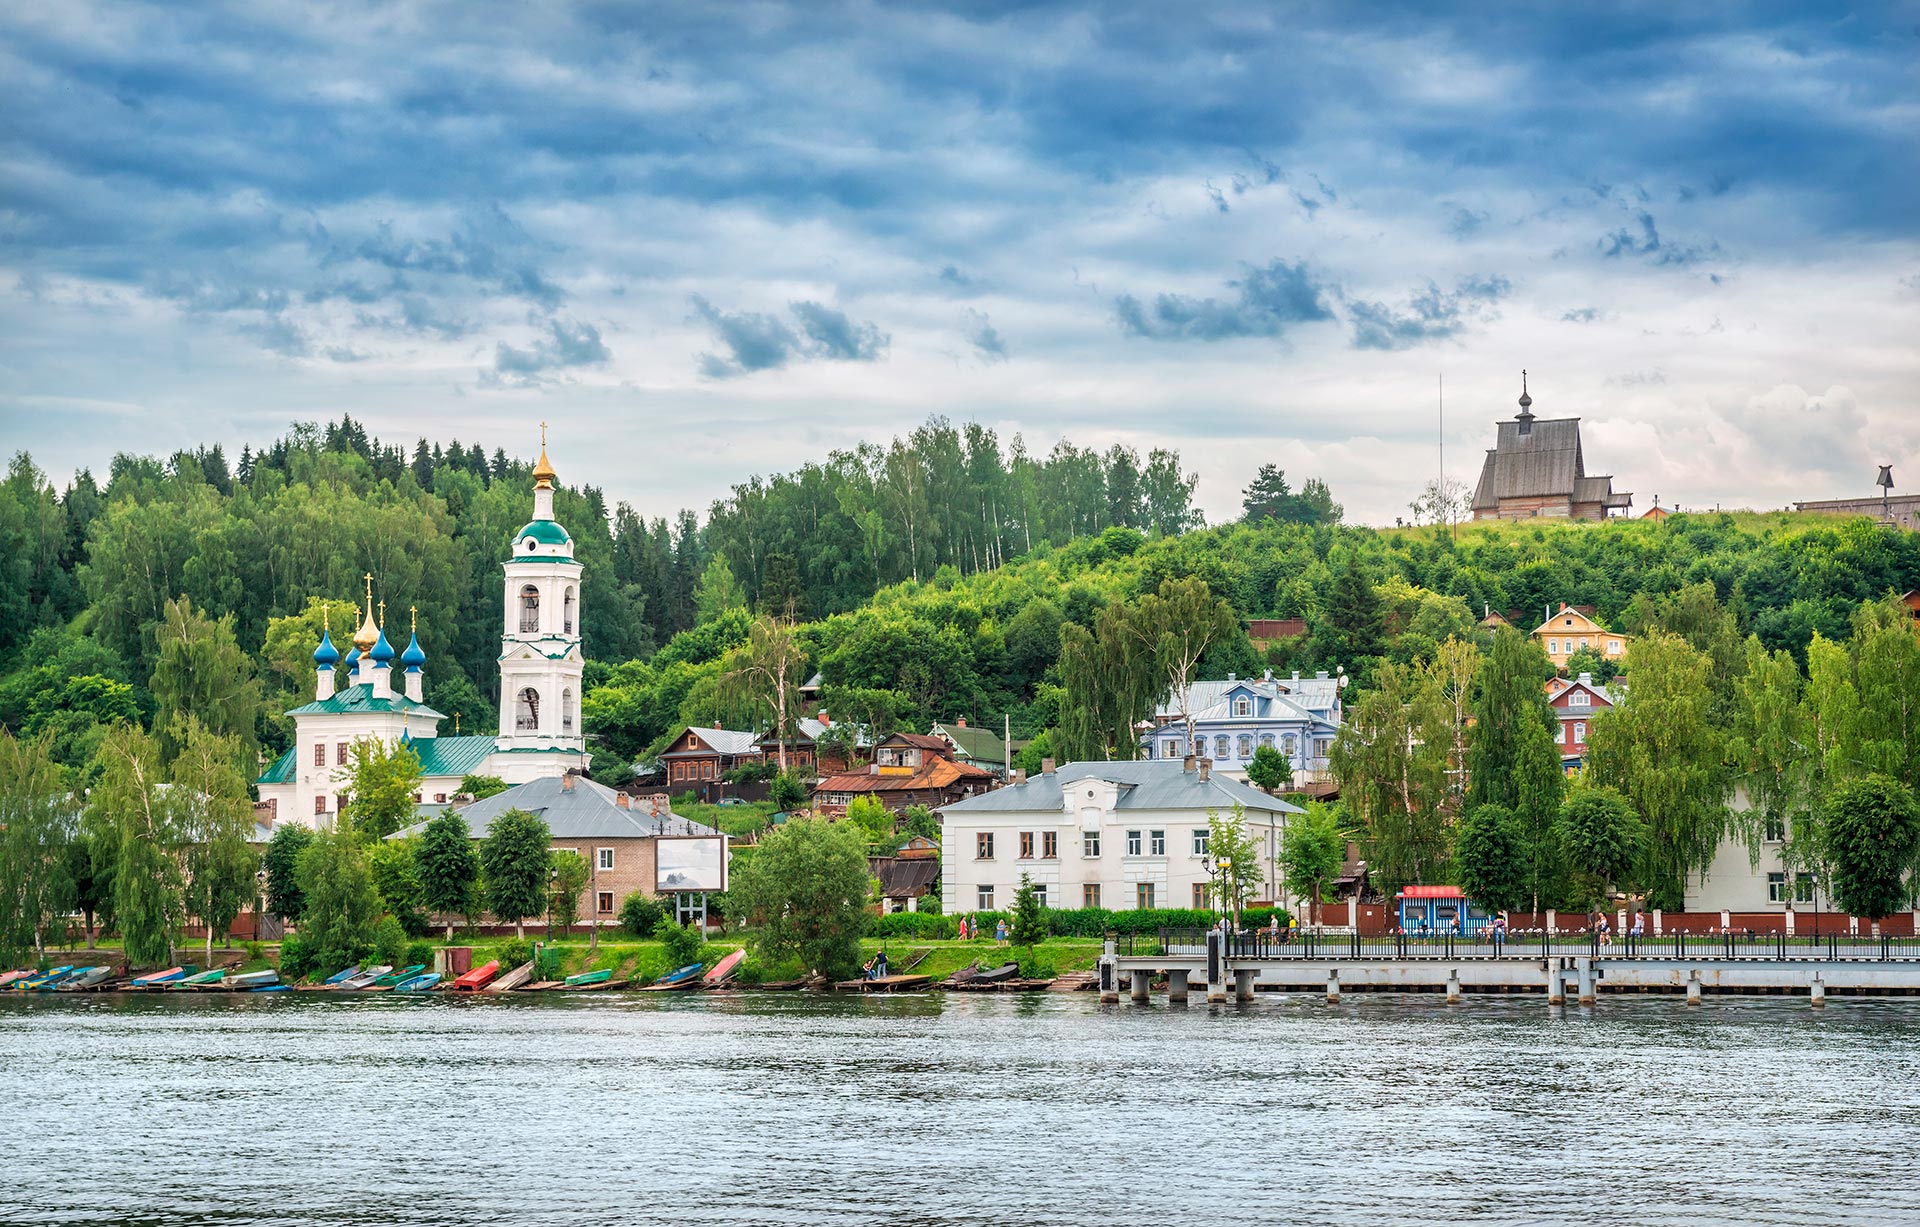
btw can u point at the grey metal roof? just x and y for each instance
(1310, 697)
(1156, 784)
(585, 811)
(724, 741)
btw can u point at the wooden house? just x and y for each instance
(908, 769)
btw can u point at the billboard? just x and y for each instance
(694, 862)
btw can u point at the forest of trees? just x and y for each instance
(945, 576)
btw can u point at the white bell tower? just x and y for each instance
(540, 657)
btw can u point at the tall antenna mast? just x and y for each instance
(1446, 503)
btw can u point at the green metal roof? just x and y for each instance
(451, 755)
(976, 744)
(281, 772)
(546, 532)
(358, 699)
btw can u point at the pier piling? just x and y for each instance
(1693, 987)
(1817, 992)
(1453, 986)
(1177, 985)
(1333, 986)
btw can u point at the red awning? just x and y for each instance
(1431, 892)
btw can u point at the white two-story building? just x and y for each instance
(1113, 835)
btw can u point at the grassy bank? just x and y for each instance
(646, 961)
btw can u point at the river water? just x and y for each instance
(959, 1108)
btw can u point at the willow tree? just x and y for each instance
(131, 803)
(214, 816)
(1769, 747)
(1511, 758)
(202, 671)
(1664, 752)
(1110, 685)
(1393, 779)
(36, 825)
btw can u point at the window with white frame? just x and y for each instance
(1133, 843)
(1170, 749)
(605, 857)
(1090, 844)
(1287, 745)
(1156, 843)
(1246, 745)
(1580, 732)
(1553, 647)
(1578, 698)
(983, 898)
(1803, 888)
(1200, 841)
(1220, 746)
(1242, 706)
(1613, 647)
(1776, 888)
(1775, 830)
(1040, 893)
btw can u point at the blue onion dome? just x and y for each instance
(382, 651)
(326, 655)
(413, 657)
(353, 655)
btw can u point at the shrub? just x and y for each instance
(255, 951)
(515, 953)
(547, 965)
(681, 942)
(390, 941)
(640, 915)
(1261, 917)
(419, 952)
(925, 925)
(297, 957)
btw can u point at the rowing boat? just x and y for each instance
(253, 979)
(418, 984)
(160, 979)
(477, 979)
(587, 978)
(341, 977)
(393, 978)
(723, 970)
(85, 978)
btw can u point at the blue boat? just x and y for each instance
(45, 983)
(272, 988)
(418, 984)
(684, 975)
(341, 977)
(158, 978)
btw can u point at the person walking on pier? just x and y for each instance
(1499, 930)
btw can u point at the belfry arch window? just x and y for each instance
(529, 610)
(527, 719)
(566, 613)
(566, 711)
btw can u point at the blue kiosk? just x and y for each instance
(1440, 910)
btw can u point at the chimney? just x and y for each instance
(655, 806)
(1186, 764)
(1267, 676)
(1296, 675)
(1231, 677)
(1206, 769)
(716, 724)
(1019, 775)
(959, 722)
(1046, 766)
(566, 782)
(826, 721)
(623, 800)
(1586, 679)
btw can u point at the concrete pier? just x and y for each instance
(1333, 986)
(1693, 987)
(1817, 992)
(1243, 978)
(1142, 980)
(1453, 986)
(1583, 972)
(1177, 984)
(1556, 983)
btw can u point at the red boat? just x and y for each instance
(478, 978)
(723, 970)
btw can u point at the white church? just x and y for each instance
(540, 668)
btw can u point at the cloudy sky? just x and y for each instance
(709, 240)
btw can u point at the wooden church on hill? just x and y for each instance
(1536, 468)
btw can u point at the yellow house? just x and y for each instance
(1571, 631)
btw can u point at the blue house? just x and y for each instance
(1298, 716)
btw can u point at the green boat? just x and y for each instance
(202, 980)
(394, 977)
(589, 977)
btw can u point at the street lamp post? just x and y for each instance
(259, 899)
(553, 893)
(1222, 869)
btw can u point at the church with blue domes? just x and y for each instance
(540, 671)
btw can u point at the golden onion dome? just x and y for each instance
(543, 473)
(367, 635)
